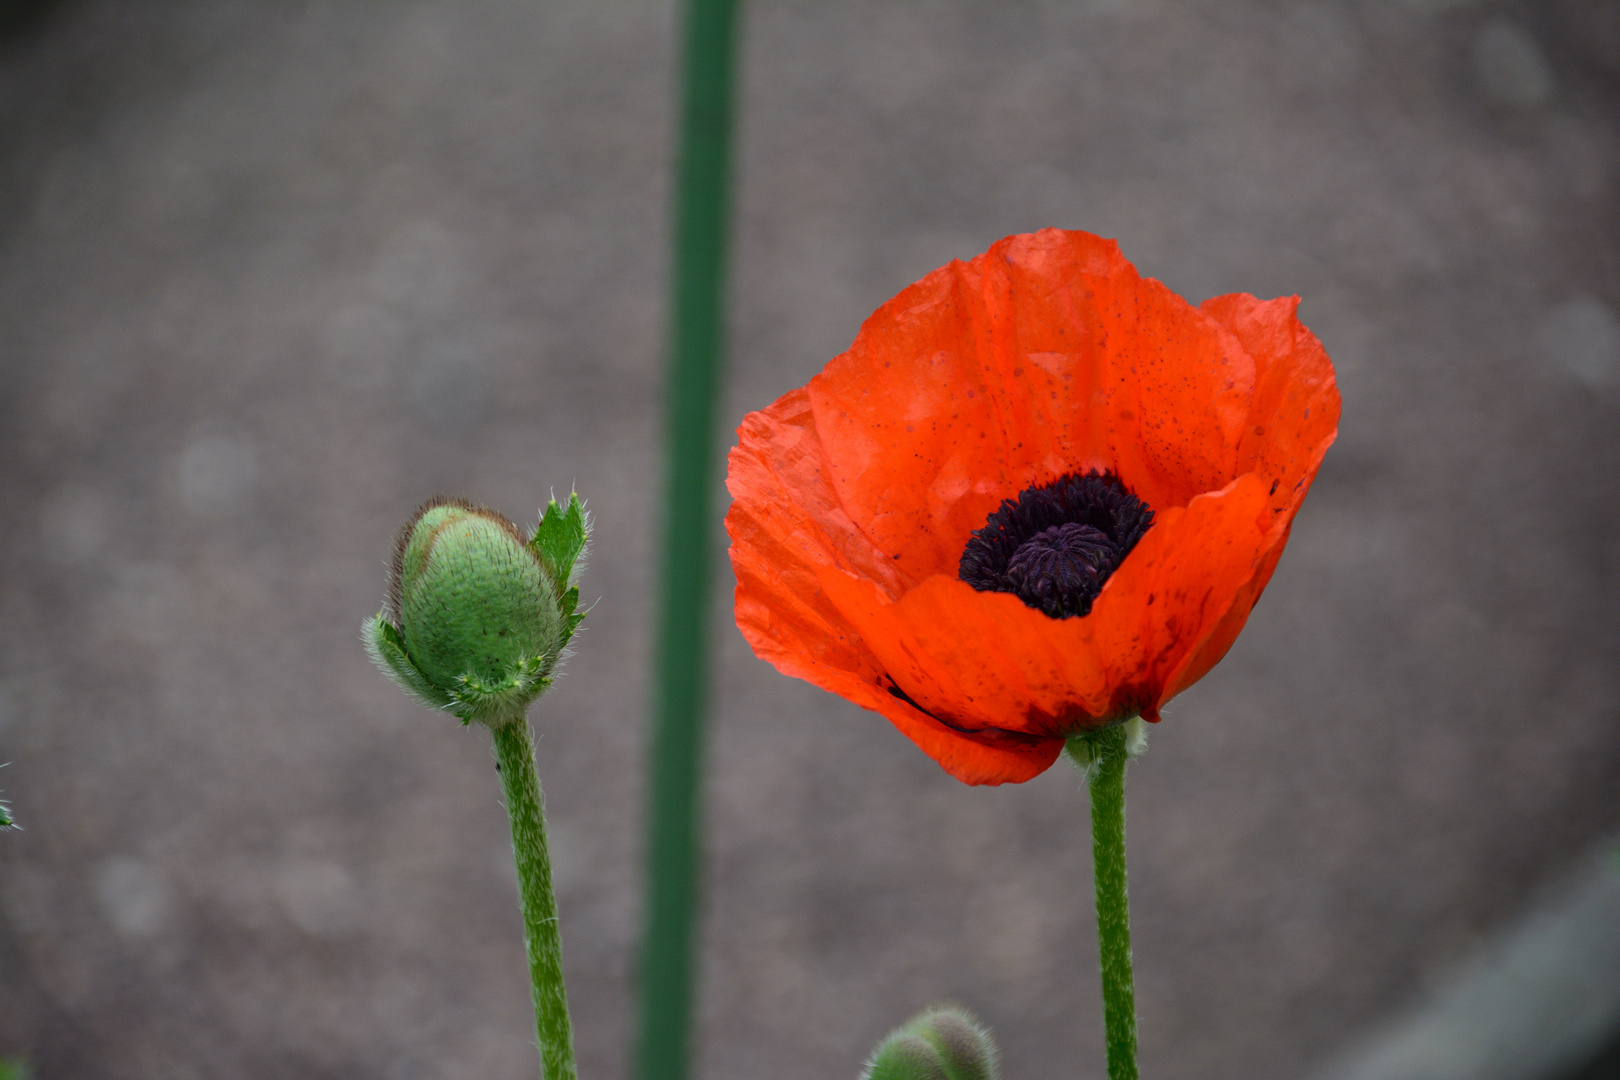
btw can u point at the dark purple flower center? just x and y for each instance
(1055, 547)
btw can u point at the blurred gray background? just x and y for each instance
(270, 274)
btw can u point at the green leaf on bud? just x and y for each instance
(477, 616)
(941, 1043)
(559, 542)
(560, 538)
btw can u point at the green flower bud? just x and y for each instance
(906, 1057)
(477, 616)
(941, 1043)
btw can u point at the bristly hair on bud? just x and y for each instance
(477, 614)
(943, 1042)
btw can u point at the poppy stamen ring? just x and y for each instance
(1056, 546)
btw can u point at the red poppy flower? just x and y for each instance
(1039, 494)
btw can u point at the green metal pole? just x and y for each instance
(697, 297)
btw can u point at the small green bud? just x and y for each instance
(477, 616)
(941, 1043)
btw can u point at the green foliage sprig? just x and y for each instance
(6, 822)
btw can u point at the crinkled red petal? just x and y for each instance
(1046, 355)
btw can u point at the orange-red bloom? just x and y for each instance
(1046, 357)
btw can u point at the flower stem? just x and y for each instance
(1102, 754)
(514, 750)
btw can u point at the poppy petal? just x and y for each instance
(986, 665)
(784, 522)
(1046, 355)
(1213, 650)
(1294, 414)
(1293, 421)
(1176, 588)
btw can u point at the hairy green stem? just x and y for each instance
(1102, 754)
(514, 750)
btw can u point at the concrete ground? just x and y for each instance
(272, 273)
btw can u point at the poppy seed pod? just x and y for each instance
(942, 1043)
(477, 616)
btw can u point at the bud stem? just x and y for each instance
(1104, 759)
(514, 750)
